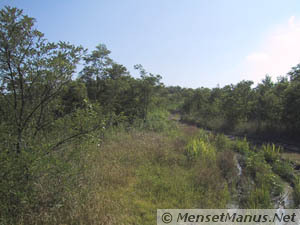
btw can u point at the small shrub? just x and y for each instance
(242, 146)
(198, 148)
(222, 142)
(271, 152)
(262, 173)
(284, 169)
(158, 121)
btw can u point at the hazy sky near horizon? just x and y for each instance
(190, 43)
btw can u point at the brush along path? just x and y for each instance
(268, 176)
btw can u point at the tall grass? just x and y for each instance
(271, 152)
(199, 148)
(128, 174)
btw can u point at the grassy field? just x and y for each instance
(135, 173)
(129, 174)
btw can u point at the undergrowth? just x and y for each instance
(125, 175)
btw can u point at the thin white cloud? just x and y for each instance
(278, 53)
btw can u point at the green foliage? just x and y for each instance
(42, 109)
(284, 169)
(85, 150)
(265, 182)
(271, 152)
(291, 105)
(110, 84)
(222, 142)
(262, 173)
(259, 198)
(16, 192)
(199, 148)
(33, 73)
(241, 146)
(141, 171)
(158, 121)
(296, 193)
(245, 110)
(73, 96)
(160, 184)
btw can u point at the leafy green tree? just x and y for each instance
(73, 97)
(33, 72)
(116, 71)
(237, 102)
(41, 109)
(149, 88)
(294, 74)
(96, 70)
(264, 101)
(291, 114)
(110, 85)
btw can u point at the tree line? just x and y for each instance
(38, 94)
(270, 108)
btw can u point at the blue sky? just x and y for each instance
(191, 43)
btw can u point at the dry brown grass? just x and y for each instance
(189, 130)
